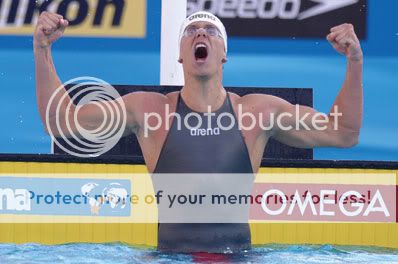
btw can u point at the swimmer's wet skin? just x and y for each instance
(203, 51)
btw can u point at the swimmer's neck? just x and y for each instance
(199, 93)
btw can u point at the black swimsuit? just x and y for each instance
(204, 151)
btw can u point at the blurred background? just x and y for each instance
(272, 43)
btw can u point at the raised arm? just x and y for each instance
(338, 131)
(50, 28)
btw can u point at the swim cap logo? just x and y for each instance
(201, 16)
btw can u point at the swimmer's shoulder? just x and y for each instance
(172, 99)
(173, 96)
(143, 100)
(140, 103)
(254, 101)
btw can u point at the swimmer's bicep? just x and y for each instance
(105, 114)
(114, 113)
(305, 127)
(289, 116)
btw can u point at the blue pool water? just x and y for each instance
(119, 253)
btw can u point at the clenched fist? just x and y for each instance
(50, 27)
(345, 41)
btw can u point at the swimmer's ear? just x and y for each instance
(224, 60)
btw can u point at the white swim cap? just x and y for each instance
(203, 16)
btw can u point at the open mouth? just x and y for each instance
(200, 52)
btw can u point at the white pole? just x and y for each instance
(173, 14)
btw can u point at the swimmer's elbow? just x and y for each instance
(53, 132)
(56, 126)
(49, 130)
(352, 142)
(47, 125)
(46, 130)
(348, 139)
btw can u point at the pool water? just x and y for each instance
(119, 253)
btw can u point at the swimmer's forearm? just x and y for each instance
(350, 100)
(47, 80)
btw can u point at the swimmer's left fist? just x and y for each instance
(345, 41)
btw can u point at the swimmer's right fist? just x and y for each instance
(50, 27)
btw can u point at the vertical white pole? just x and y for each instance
(173, 14)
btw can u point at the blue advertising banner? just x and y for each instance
(65, 196)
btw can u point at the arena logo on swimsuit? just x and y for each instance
(86, 17)
(284, 18)
(205, 132)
